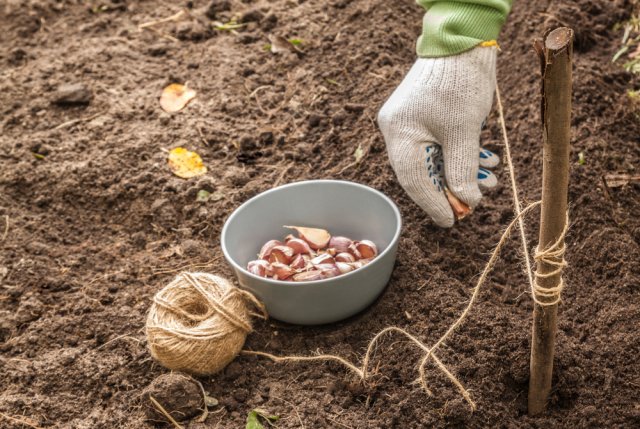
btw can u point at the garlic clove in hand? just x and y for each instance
(460, 209)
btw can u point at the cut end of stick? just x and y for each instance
(559, 38)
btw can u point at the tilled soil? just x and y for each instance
(97, 223)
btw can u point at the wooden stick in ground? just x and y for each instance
(556, 58)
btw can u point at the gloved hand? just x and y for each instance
(431, 125)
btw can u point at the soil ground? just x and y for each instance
(97, 224)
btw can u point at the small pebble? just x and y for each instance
(314, 120)
(253, 15)
(72, 94)
(217, 6)
(191, 247)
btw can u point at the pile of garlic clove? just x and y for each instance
(314, 255)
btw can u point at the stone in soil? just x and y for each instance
(217, 6)
(71, 94)
(178, 394)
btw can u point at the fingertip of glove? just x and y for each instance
(445, 222)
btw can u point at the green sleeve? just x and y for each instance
(454, 26)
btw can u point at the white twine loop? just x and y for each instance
(552, 256)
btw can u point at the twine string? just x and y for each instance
(217, 302)
(199, 322)
(552, 256)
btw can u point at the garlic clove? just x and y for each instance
(316, 237)
(298, 262)
(344, 257)
(341, 244)
(282, 271)
(329, 270)
(323, 258)
(354, 251)
(367, 248)
(329, 251)
(259, 267)
(265, 251)
(359, 264)
(307, 276)
(460, 209)
(344, 268)
(299, 246)
(282, 254)
(307, 261)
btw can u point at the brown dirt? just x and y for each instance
(97, 224)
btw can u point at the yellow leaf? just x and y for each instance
(186, 164)
(359, 153)
(175, 96)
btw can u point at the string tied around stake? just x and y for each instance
(552, 256)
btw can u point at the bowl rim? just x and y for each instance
(394, 240)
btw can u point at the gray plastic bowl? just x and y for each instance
(343, 208)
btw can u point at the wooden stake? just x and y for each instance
(556, 59)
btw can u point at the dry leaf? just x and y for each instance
(203, 196)
(175, 96)
(359, 153)
(210, 401)
(186, 164)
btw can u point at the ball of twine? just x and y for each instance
(198, 323)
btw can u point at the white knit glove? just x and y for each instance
(431, 125)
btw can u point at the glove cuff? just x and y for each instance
(452, 27)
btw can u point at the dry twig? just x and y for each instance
(164, 412)
(6, 227)
(76, 121)
(20, 421)
(173, 17)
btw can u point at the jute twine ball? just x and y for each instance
(198, 323)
